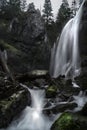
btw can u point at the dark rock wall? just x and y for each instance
(28, 34)
(83, 35)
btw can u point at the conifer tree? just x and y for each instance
(3, 8)
(64, 14)
(23, 5)
(15, 4)
(47, 12)
(74, 7)
(3, 4)
(14, 8)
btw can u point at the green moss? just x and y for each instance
(6, 103)
(4, 23)
(51, 91)
(65, 122)
(9, 47)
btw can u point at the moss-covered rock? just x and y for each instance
(66, 122)
(12, 106)
(51, 91)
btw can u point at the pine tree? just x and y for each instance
(64, 14)
(31, 7)
(14, 8)
(74, 7)
(23, 5)
(15, 4)
(47, 12)
(3, 8)
(3, 4)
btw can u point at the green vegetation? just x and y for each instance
(74, 7)
(51, 91)
(65, 122)
(47, 12)
(6, 103)
(64, 14)
(11, 8)
(9, 47)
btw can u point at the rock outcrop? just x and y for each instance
(81, 80)
(69, 122)
(29, 37)
(13, 99)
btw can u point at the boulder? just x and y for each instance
(12, 106)
(65, 122)
(60, 107)
(81, 80)
(28, 37)
(68, 122)
(51, 91)
(83, 31)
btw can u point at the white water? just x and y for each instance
(80, 100)
(65, 59)
(32, 117)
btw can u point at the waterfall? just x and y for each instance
(32, 118)
(65, 58)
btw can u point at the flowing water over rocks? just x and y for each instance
(45, 109)
(32, 117)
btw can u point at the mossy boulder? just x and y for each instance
(66, 122)
(51, 91)
(12, 106)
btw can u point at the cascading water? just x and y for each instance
(32, 117)
(65, 59)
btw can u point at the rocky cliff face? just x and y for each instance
(82, 79)
(29, 36)
(83, 34)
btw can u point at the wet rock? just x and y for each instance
(65, 86)
(51, 91)
(33, 75)
(39, 73)
(12, 106)
(6, 86)
(40, 83)
(61, 107)
(81, 80)
(83, 32)
(84, 110)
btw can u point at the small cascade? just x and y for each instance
(80, 100)
(65, 59)
(32, 117)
